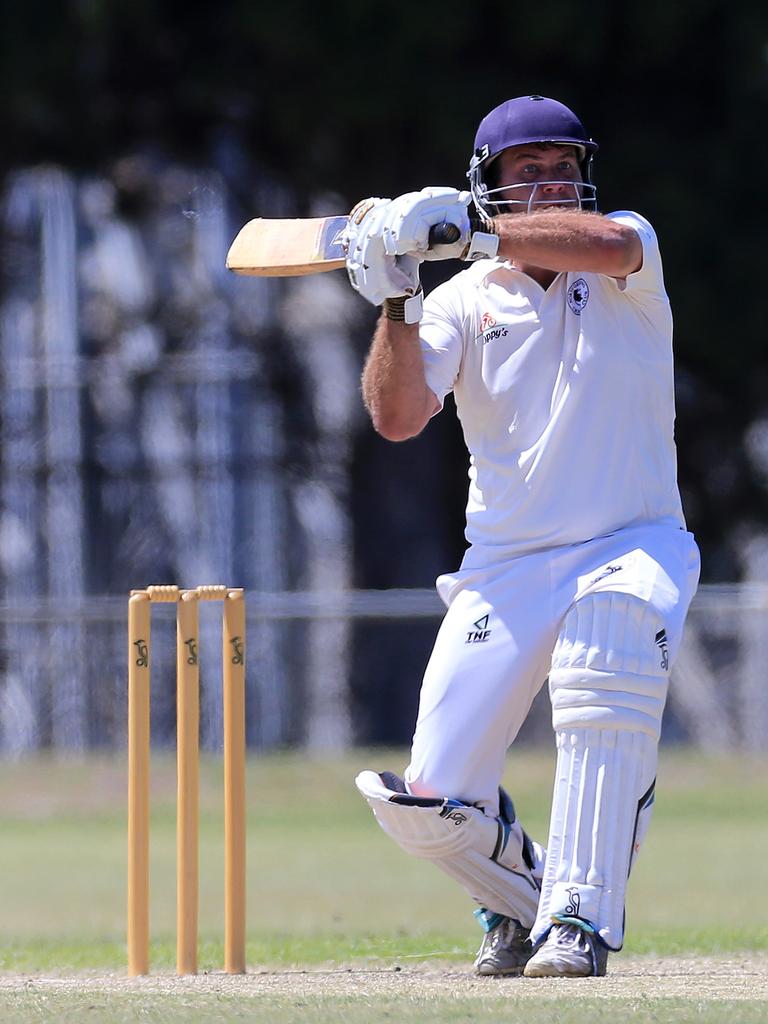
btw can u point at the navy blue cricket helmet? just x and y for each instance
(527, 119)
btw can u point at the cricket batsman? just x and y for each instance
(557, 346)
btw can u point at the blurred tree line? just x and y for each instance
(369, 98)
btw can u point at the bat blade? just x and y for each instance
(288, 248)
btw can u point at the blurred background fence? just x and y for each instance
(159, 420)
(311, 696)
(163, 421)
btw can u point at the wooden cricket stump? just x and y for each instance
(188, 773)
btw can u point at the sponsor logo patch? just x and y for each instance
(574, 902)
(457, 817)
(661, 643)
(490, 330)
(609, 570)
(142, 653)
(191, 646)
(480, 633)
(493, 333)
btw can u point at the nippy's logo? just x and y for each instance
(490, 330)
(480, 633)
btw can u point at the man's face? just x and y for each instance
(546, 176)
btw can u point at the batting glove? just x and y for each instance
(410, 218)
(373, 271)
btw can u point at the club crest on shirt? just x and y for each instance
(578, 295)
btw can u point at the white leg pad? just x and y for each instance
(490, 857)
(608, 686)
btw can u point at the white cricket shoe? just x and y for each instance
(569, 951)
(505, 949)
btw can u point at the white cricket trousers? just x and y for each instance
(493, 651)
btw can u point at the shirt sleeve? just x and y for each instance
(441, 335)
(649, 279)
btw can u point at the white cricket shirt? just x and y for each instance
(566, 400)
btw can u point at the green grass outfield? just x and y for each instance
(329, 892)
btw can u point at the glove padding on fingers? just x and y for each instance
(408, 220)
(373, 271)
(386, 240)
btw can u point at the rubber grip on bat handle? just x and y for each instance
(443, 234)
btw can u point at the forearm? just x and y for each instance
(395, 391)
(563, 240)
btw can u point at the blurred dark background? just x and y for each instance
(366, 98)
(164, 117)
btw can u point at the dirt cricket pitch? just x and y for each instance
(742, 977)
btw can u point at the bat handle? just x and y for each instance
(443, 234)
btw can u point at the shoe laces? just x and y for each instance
(505, 933)
(569, 935)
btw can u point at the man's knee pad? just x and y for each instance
(491, 858)
(608, 685)
(610, 666)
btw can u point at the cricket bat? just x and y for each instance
(292, 248)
